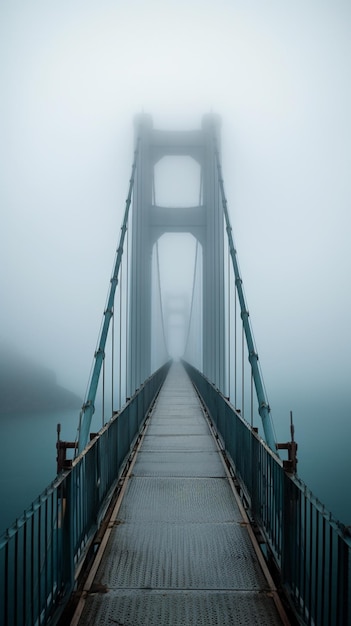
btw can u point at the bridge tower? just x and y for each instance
(149, 221)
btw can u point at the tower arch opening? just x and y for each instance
(177, 182)
(177, 271)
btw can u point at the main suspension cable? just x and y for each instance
(88, 407)
(263, 405)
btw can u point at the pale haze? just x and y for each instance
(73, 76)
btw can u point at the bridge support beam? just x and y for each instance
(204, 222)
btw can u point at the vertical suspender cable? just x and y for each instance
(103, 392)
(192, 296)
(263, 406)
(242, 373)
(235, 349)
(218, 261)
(88, 407)
(120, 338)
(126, 318)
(229, 334)
(153, 190)
(113, 358)
(160, 297)
(187, 338)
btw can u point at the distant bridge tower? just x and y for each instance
(204, 222)
(176, 311)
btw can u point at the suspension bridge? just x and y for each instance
(176, 511)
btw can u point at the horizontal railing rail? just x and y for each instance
(310, 547)
(42, 552)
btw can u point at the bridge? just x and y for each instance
(183, 508)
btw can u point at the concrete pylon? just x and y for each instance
(149, 221)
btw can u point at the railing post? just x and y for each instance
(343, 591)
(254, 452)
(289, 531)
(67, 546)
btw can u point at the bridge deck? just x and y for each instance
(178, 550)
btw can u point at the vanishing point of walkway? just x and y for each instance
(178, 549)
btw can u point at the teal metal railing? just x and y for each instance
(310, 547)
(42, 552)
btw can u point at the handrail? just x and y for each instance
(42, 552)
(311, 549)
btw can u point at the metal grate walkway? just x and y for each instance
(178, 550)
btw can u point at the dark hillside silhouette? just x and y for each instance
(26, 385)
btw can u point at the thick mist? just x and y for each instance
(74, 75)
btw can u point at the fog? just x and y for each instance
(73, 76)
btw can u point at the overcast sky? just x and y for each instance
(73, 74)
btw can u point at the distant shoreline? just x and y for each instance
(60, 399)
(27, 386)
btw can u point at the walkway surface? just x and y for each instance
(179, 551)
